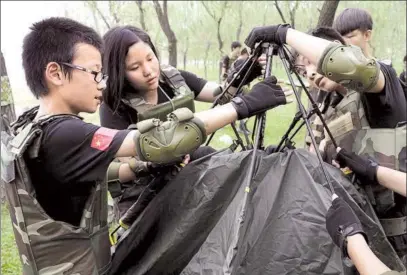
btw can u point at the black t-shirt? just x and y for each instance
(387, 108)
(120, 120)
(72, 157)
(403, 76)
(225, 62)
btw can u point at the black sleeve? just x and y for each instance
(225, 62)
(76, 152)
(403, 76)
(112, 120)
(194, 82)
(387, 108)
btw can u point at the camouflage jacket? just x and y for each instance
(184, 97)
(349, 126)
(47, 246)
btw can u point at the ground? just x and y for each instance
(277, 123)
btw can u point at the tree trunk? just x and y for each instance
(279, 11)
(113, 11)
(94, 7)
(141, 10)
(162, 15)
(7, 101)
(327, 13)
(220, 42)
(239, 28)
(218, 21)
(186, 53)
(208, 46)
(292, 13)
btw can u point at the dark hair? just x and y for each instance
(117, 41)
(327, 33)
(53, 40)
(405, 58)
(235, 44)
(351, 19)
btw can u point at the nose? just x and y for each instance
(101, 85)
(147, 71)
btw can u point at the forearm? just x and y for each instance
(307, 45)
(128, 147)
(218, 117)
(363, 258)
(211, 91)
(125, 173)
(392, 179)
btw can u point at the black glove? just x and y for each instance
(255, 72)
(263, 96)
(364, 168)
(274, 34)
(342, 222)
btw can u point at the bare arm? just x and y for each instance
(213, 120)
(125, 173)
(392, 179)
(313, 47)
(218, 117)
(362, 256)
(208, 92)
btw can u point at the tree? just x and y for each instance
(141, 10)
(327, 13)
(218, 20)
(239, 28)
(7, 101)
(293, 6)
(162, 14)
(113, 13)
(93, 6)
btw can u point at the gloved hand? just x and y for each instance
(342, 222)
(274, 34)
(263, 96)
(139, 168)
(255, 72)
(143, 169)
(364, 168)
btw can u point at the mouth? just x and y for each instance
(99, 98)
(152, 80)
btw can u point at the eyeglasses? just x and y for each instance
(99, 76)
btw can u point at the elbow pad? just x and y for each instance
(169, 141)
(348, 66)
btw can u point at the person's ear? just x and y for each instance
(53, 73)
(368, 35)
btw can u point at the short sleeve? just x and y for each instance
(76, 151)
(387, 108)
(194, 82)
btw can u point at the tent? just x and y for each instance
(208, 221)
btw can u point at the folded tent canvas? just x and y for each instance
(196, 224)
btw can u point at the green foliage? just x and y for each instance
(10, 260)
(194, 27)
(6, 95)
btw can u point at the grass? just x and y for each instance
(10, 260)
(277, 123)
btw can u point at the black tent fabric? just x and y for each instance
(198, 223)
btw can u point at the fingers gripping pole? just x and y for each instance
(253, 60)
(304, 117)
